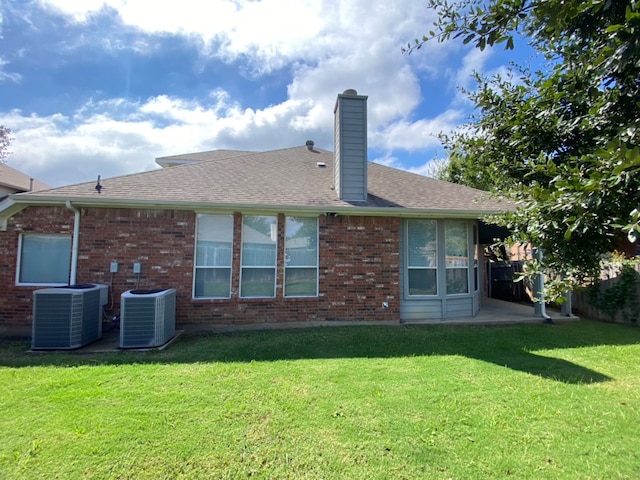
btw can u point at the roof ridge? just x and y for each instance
(185, 155)
(242, 153)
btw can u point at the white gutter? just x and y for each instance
(40, 200)
(74, 246)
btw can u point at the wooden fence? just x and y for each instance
(582, 300)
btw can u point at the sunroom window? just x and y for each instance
(301, 257)
(259, 256)
(44, 259)
(456, 241)
(214, 253)
(422, 257)
(476, 256)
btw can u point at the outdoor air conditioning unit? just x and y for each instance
(67, 317)
(147, 318)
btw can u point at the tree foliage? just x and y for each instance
(5, 141)
(564, 143)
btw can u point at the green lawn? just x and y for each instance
(413, 402)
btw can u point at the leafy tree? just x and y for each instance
(5, 141)
(436, 168)
(564, 143)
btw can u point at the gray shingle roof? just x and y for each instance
(277, 179)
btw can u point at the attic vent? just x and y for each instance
(310, 144)
(321, 164)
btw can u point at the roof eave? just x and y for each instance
(14, 186)
(8, 208)
(15, 203)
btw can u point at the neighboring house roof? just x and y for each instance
(12, 179)
(293, 179)
(174, 160)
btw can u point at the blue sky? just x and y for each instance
(96, 87)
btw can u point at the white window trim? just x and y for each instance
(19, 262)
(408, 267)
(475, 257)
(441, 269)
(195, 259)
(193, 288)
(469, 260)
(316, 266)
(242, 266)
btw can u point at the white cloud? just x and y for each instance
(269, 33)
(57, 151)
(60, 149)
(324, 46)
(329, 45)
(268, 30)
(432, 168)
(473, 61)
(417, 135)
(8, 76)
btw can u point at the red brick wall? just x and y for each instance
(15, 302)
(359, 265)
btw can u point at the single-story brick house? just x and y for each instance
(299, 234)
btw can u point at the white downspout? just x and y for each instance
(74, 245)
(543, 306)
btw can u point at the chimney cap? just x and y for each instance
(350, 91)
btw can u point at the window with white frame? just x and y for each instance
(214, 254)
(259, 256)
(456, 240)
(422, 257)
(44, 259)
(476, 257)
(301, 257)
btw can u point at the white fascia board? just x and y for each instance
(8, 208)
(13, 205)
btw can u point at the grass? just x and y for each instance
(522, 401)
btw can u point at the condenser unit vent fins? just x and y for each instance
(67, 317)
(147, 318)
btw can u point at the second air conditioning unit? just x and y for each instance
(67, 317)
(147, 318)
